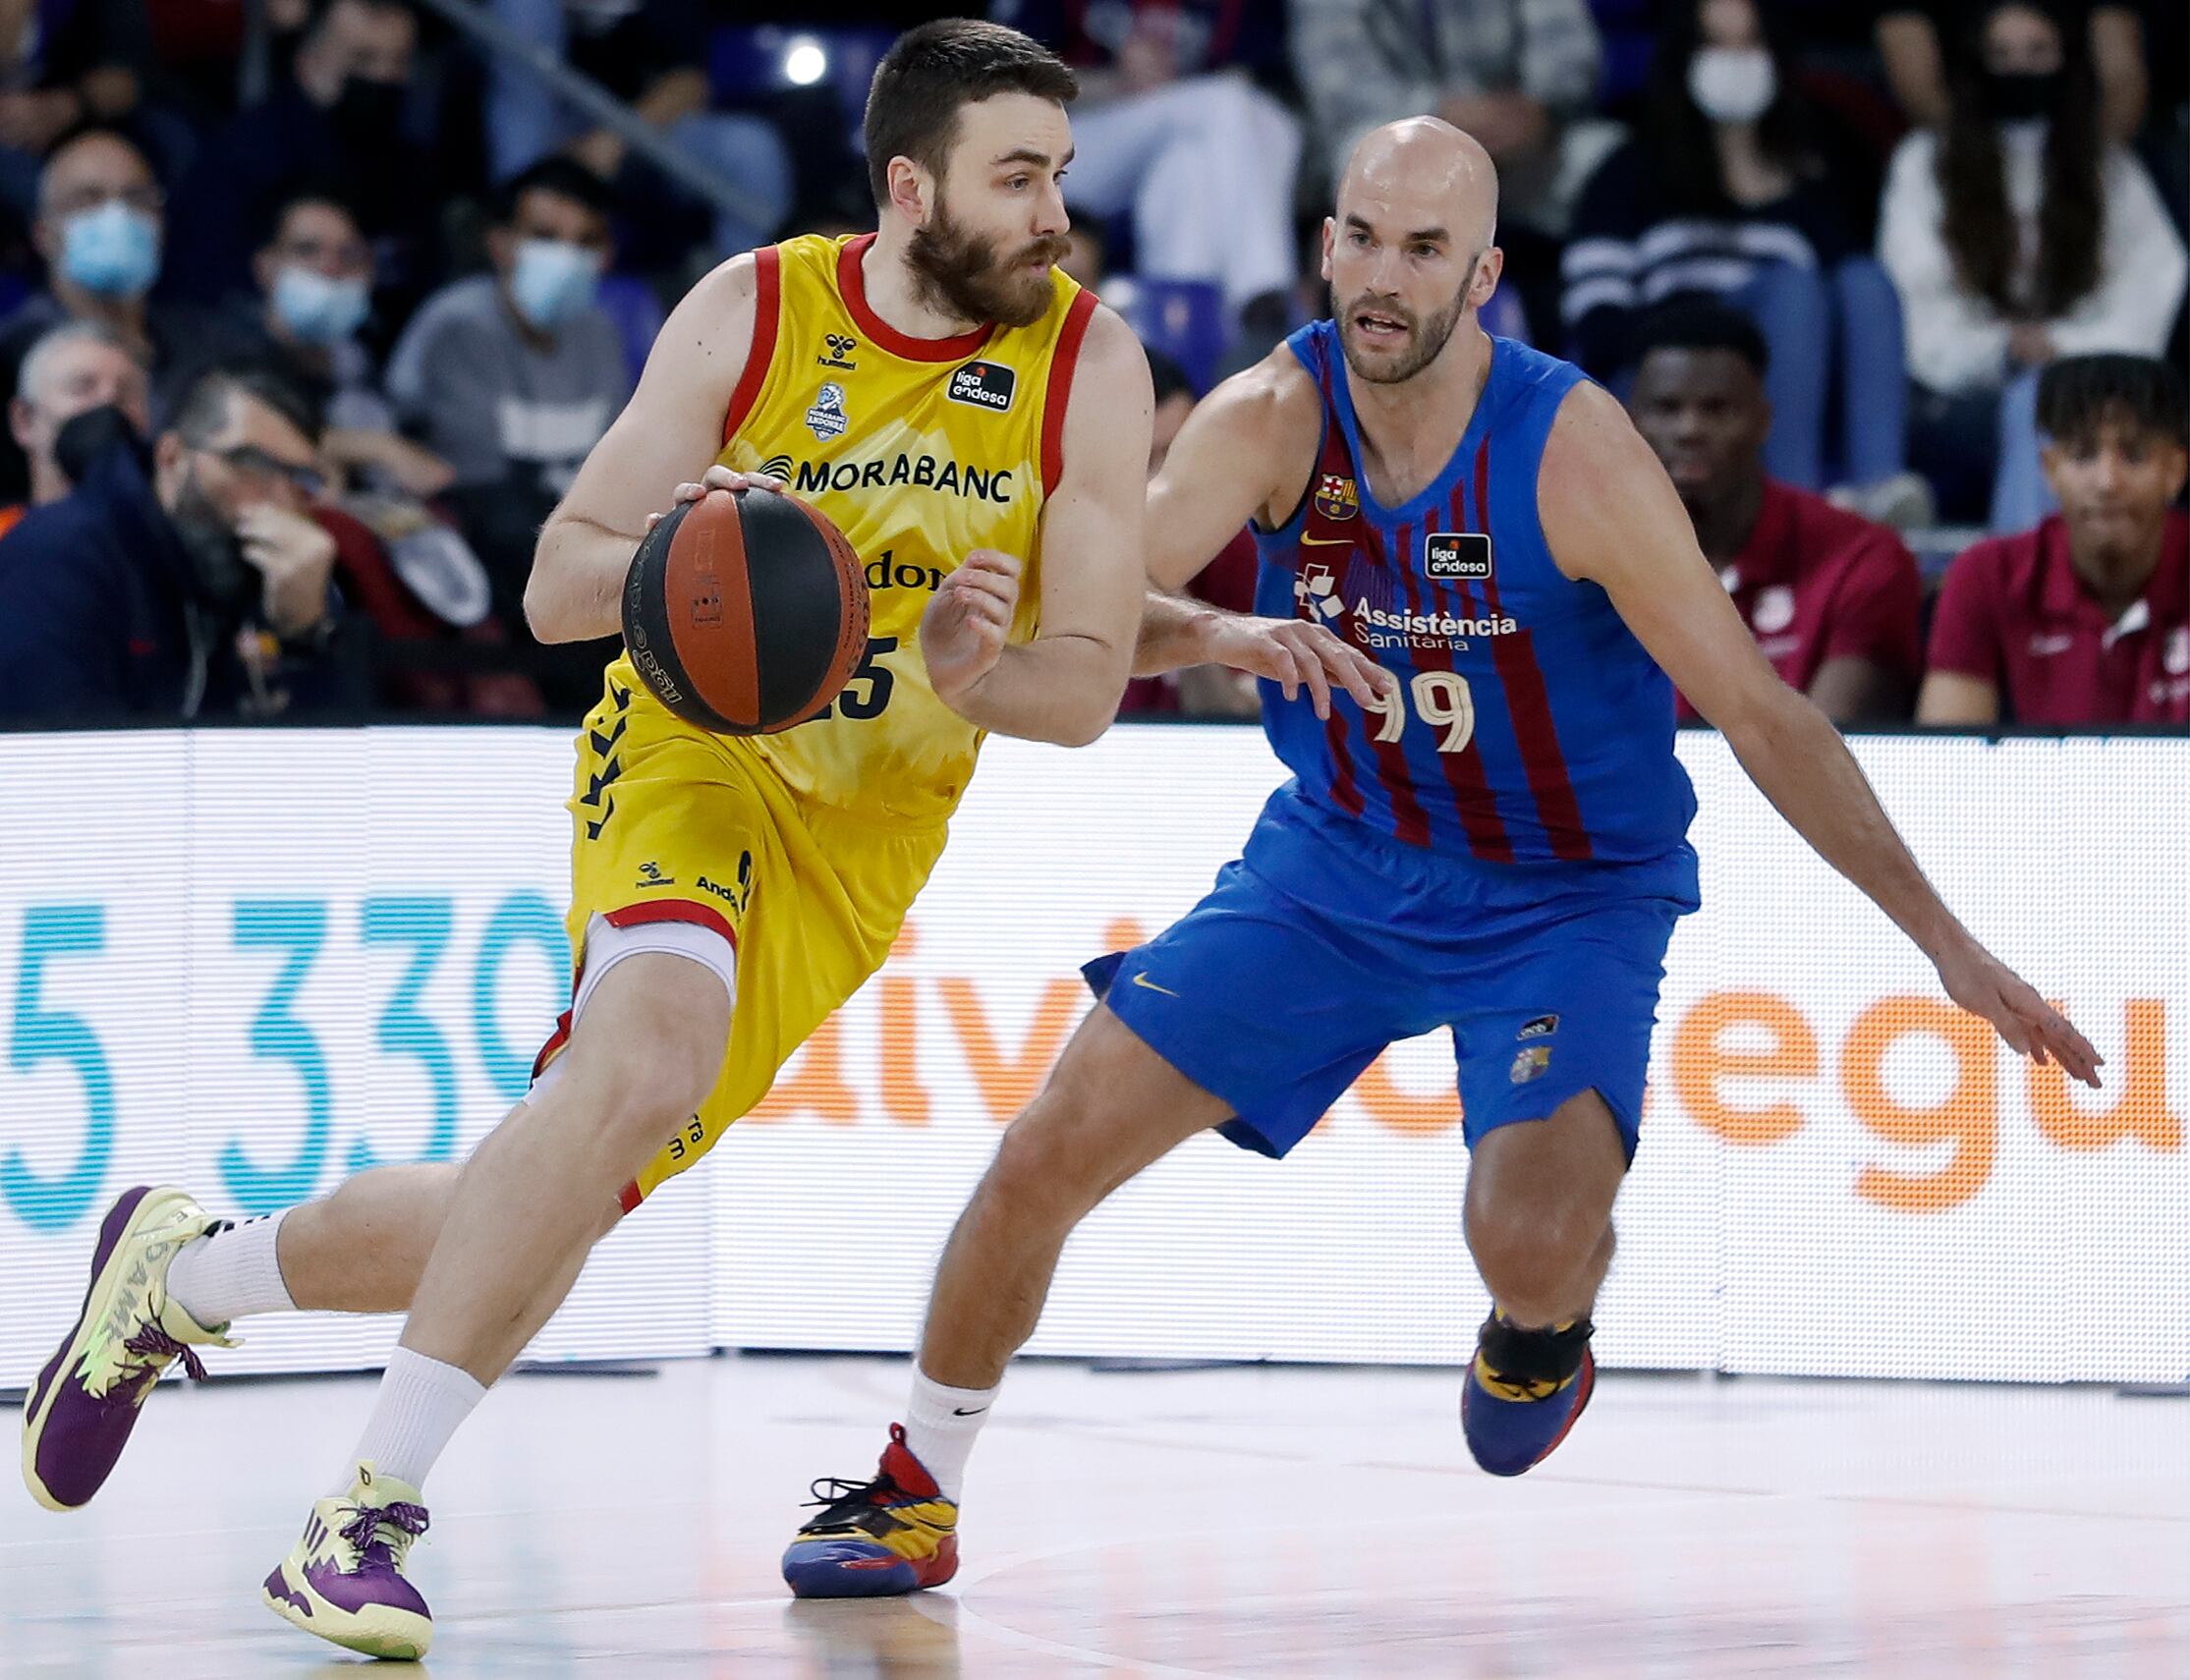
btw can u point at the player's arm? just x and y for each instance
(1224, 470)
(658, 447)
(1612, 519)
(1064, 686)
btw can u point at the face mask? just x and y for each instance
(2024, 95)
(1732, 85)
(370, 110)
(113, 252)
(81, 441)
(554, 282)
(318, 309)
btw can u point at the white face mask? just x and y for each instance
(1732, 85)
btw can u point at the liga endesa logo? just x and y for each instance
(1725, 1059)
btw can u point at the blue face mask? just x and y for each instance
(316, 308)
(554, 282)
(112, 252)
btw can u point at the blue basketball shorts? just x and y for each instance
(1327, 942)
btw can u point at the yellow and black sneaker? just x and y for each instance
(895, 1534)
(1524, 1392)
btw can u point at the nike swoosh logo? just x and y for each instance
(1327, 542)
(1141, 979)
(968, 1411)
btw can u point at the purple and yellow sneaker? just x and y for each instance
(1524, 1391)
(79, 1414)
(342, 1580)
(895, 1534)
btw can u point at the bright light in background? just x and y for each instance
(804, 63)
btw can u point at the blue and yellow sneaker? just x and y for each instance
(1524, 1392)
(895, 1534)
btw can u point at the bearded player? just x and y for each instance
(1496, 845)
(972, 420)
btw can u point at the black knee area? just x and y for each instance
(1528, 1356)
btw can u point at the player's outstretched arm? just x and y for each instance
(1612, 518)
(1064, 686)
(1224, 470)
(669, 433)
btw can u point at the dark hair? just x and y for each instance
(1697, 320)
(2079, 394)
(1170, 378)
(913, 103)
(1979, 227)
(1677, 134)
(565, 176)
(202, 409)
(273, 209)
(316, 16)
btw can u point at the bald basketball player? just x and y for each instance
(941, 392)
(1496, 845)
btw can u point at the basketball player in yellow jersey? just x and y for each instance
(979, 427)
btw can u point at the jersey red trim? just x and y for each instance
(768, 300)
(1409, 821)
(1529, 705)
(1057, 396)
(672, 909)
(851, 281)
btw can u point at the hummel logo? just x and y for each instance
(1141, 979)
(841, 345)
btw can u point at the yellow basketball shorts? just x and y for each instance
(672, 824)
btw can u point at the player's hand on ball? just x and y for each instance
(1295, 655)
(1984, 985)
(718, 478)
(962, 634)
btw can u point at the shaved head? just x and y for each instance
(1411, 245)
(1430, 169)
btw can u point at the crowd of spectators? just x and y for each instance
(309, 311)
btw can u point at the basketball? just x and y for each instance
(745, 611)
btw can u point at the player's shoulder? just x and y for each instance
(1271, 404)
(1109, 346)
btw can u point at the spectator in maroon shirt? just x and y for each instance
(1226, 582)
(1831, 598)
(2085, 620)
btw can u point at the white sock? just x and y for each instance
(231, 1272)
(420, 1403)
(941, 1423)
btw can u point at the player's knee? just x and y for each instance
(1527, 1249)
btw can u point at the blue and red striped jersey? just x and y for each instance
(1532, 727)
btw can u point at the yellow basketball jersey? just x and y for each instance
(918, 450)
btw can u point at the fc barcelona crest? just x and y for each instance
(1336, 497)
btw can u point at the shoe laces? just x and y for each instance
(382, 1533)
(841, 1498)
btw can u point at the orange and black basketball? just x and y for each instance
(745, 611)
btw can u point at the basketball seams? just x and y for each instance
(707, 577)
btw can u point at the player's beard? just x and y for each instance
(956, 271)
(1426, 339)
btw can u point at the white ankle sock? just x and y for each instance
(940, 1426)
(420, 1403)
(231, 1272)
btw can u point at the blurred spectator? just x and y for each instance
(512, 376)
(314, 274)
(337, 119)
(75, 368)
(1226, 582)
(2085, 620)
(651, 54)
(1087, 257)
(1833, 601)
(62, 66)
(1515, 74)
(188, 582)
(1725, 189)
(102, 229)
(2016, 235)
(1914, 41)
(1170, 125)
